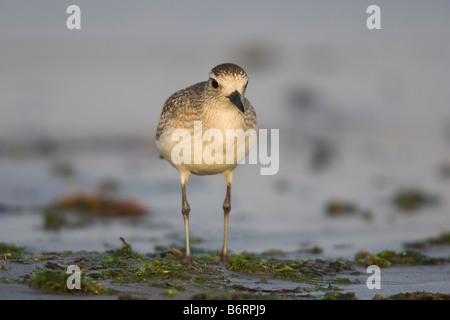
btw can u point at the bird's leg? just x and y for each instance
(226, 213)
(185, 209)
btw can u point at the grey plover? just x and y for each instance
(209, 111)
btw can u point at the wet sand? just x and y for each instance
(361, 118)
(336, 237)
(211, 281)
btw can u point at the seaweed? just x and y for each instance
(340, 207)
(413, 199)
(389, 258)
(99, 205)
(12, 251)
(157, 268)
(312, 250)
(269, 275)
(54, 220)
(248, 264)
(53, 281)
(442, 239)
(417, 295)
(339, 296)
(298, 271)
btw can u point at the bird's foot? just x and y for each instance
(189, 261)
(222, 259)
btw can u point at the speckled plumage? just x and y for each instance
(183, 106)
(200, 102)
(218, 104)
(228, 69)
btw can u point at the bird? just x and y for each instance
(217, 106)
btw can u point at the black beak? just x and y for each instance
(235, 98)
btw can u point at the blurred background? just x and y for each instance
(363, 117)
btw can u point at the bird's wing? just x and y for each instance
(175, 103)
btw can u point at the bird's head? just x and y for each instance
(227, 82)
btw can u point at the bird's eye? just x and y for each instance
(214, 83)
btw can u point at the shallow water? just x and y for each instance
(360, 115)
(285, 211)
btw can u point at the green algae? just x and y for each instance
(291, 270)
(158, 268)
(52, 281)
(442, 239)
(337, 207)
(172, 292)
(166, 277)
(339, 296)
(312, 250)
(12, 251)
(114, 262)
(54, 220)
(240, 296)
(301, 271)
(418, 295)
(412, 199)
(5, 280)
(117, 274)
(341, 207)
(389, 258)
(248, 264)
